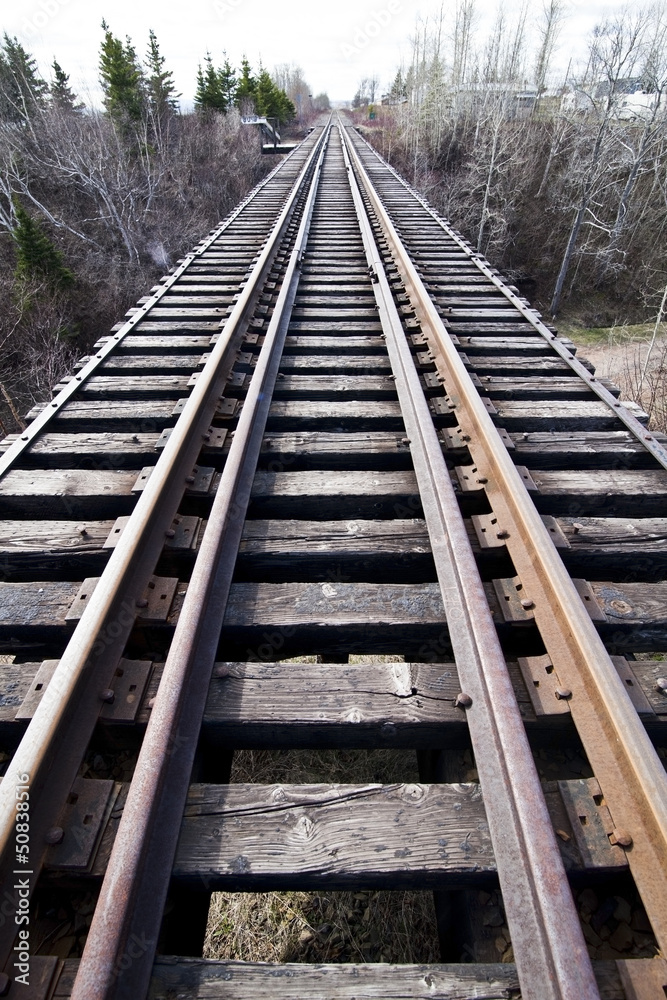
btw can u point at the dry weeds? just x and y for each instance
(620, 353)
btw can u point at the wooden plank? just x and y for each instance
(199, 979)
(146, 386)
(174, 327)
(601, 492)
(366, 415)
(334, 345)
(518, 364)
(160, 345)
(472, 328)
(331, 450)
(107, 450)
(174, 363)
(67, 492)
(335, 386)
(502, 345)
(356, 549)
(349, 549)
(547, 389)
(213, 297)
(335, 301)
(334, 705)
(97, 414)
(248, 837)
(317, 494)
(331, 365)
(574, 449)
(209, 312)
(526, 415)
(335, 325)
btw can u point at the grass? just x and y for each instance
(622, 333)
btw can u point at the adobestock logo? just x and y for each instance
(48, 9)
(224, 7)
(365, 33)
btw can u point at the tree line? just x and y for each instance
(95, 203)
(562, 183)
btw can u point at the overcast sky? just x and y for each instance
(335, 43)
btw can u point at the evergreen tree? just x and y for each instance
(228, 83)
(209, 95)
(62, 95)
(37, 258)
(272, 102)
(121, 78)
(247, 85)
(160, 87)
(398, 88)
(22, 90)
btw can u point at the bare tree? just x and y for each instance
(614, 51)
(551, 22)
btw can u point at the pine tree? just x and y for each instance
(62, 95)
(160, 86)
(22, 90)
(247, 86)
(271, 101)
(37, 258)
(398, 87)
(209, 95)
(228, 83)
(121, 78)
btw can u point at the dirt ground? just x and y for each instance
(620, 355)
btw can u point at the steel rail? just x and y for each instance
(137, 878)
(549, 947)
(630, 773)
(636, 428)
(52, 409)
(58, 734)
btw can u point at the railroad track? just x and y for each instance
(333, 432)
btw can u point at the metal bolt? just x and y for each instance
(142, 602)
(621, 837)
(206, 437)
(463, 700)
(482, 480)
(189, 479)
(563, 694)
(55, 835)
(108, 696)
(527, 603)
(661, 685)
(405, 440)
(503, 534)
(170, 533)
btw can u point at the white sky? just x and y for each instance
(336, 43)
